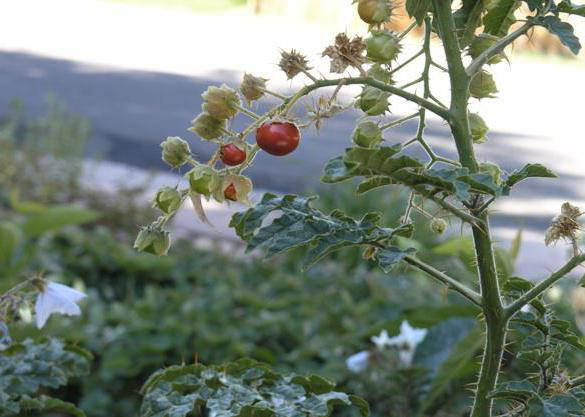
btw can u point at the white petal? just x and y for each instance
(66, 292)
(42, 312)
(358, 362)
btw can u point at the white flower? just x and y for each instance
(56, 298)
(406, 341)
(358, 362)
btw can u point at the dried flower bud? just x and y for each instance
(373, 101)
(380, 74)
(478, 128)
(438, 226)
(221, 102)
(202, 180)
(207, 126)
(383, 47)
(175, 152)
(374, 12)
(168, 200)
(482, 43)
(493, 170)
(367, 134)
(564, 225)
(292, 63)
(252, 88)
(153, 240)
(345, 53)
(370, 252)
(482, 85)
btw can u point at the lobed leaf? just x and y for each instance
(567, 6)
(500, 17)
(563, 30)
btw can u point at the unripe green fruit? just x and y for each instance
(373, 101)
(482, 43)
(478, 128)
(374, 12)
(493, 170)
(176, 151)
(221, 102)
(207, 126)
(168, 200)
(482, 85)
(380, 74)
(382, 47)
(153, 240)
(367, 134)
(438, 226)
(203, 180)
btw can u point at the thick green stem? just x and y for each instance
(496, 322)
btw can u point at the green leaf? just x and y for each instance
(57, 217)
(300, 224)
(500, 17)
(529, 171)
(391, 256)
(563, 30)
(564, 405)
(535, 4)
(515, 390)
(27, 366)
(373, 183)
(516, 245)
(335, 171)
(46, 404)
(567, 6)
(461, 363)
(9, 238)
(244, 388)
(418, 9)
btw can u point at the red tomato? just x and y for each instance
(232, 155)
(278, 138)
(230, 193)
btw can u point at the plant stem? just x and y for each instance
(453, 284)
(496, 322)
(544, 285)
(399, 121)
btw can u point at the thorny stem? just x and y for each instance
(275, 94)
(399, 121)
(544, 285)
(248, 113)
(408, 61)
(407, 30)
(451, 283)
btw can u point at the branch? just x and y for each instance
(429, 105)
(451, 283)
(496, 48)
(544, 285)
(474, 221)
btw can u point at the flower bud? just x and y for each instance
(175, 151)
(438, 226)
(207, 126)
(292, 63)
(168, 200)
(153, 240)
(202, 180)
(373, 101)
(482, 43)
(221, 102)
(367, 134)
(493, 170)
(252, 88)
(374, 12)
(478, 128)
(383, 47)
(482, 85)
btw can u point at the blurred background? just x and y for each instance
(88, 90)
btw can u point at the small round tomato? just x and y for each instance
(230, 193)
(278, 138)
(232, 155)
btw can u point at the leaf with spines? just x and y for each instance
(500, 17)
(300, 224)
(529, 171)
(567, 6)
(563, 30)
(245, 388)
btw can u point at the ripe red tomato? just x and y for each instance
(230, 193)
(232, 155)
(278, 138)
